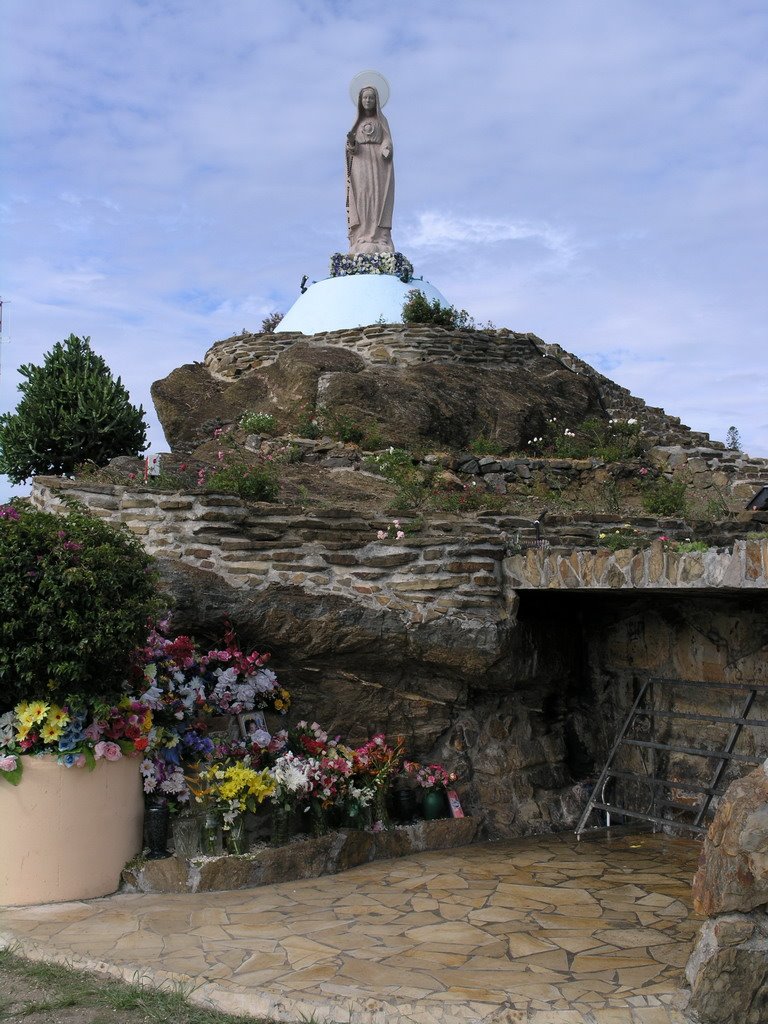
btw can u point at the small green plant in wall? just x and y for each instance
(258, 423)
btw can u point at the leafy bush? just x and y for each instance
(252, 483)
(269, 323)
(684, 546)
(346, 428)
(623, 538)
(666, 497)
(72, 411)
(394, 464)
(594, 438)
(75, 594)
(258, 423)
(483, 445)
(417, 309)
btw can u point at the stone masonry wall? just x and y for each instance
(745, 567)
(410, 344)
(391, 344)
(453, 571)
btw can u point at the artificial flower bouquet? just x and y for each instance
(78, 732)
(233, 789)
(428, 776)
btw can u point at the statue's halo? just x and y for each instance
(364, 78)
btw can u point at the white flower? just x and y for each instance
(265, 680)
(631, 422)
(6, 729)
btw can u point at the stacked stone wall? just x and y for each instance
(392, 345)
(410, 344)
(454, 570)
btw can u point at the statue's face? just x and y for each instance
(368, 99)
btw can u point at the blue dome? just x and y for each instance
(356, 300)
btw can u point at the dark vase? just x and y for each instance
(318, 823)
(405, 804)
(433, 804)
(156, 822)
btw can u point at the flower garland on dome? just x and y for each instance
(344, 264)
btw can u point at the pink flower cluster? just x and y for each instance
(428, 776)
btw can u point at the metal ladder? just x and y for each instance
(643, 711)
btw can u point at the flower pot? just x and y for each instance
(433, 804)
(68, 832)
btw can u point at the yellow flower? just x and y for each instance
(58, 718)
(279, 705)
(22, 730)
(32, 713)
(50, 733)
(146, 725)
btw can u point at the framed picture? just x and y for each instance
(251, 725)
(455, 804)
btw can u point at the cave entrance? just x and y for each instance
(679, 678)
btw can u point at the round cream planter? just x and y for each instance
(66, 833)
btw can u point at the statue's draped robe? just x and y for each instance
(370, 187)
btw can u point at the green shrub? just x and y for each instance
(269, 323)
(483, 445)
(684, 546)
(72, 412)
(666, 497)
(75, 595)
(258, 423)
(623, 538)
(417, 309)
(346, 428)
(252, 483)
(394, 464)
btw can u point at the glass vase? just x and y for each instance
(211, 842)
(318, 823)
(234, 836)
(187, 831)
(281, 825)
(380, 812)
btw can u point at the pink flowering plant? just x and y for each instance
(427, 776)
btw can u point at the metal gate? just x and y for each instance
(648, 732)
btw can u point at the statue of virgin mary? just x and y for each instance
(370, 172)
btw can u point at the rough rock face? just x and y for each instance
(428, 404)
(728, 971)
(733, 869)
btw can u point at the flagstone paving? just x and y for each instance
(545, 930)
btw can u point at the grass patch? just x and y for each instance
(36, 991)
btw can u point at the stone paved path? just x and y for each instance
(546, 930)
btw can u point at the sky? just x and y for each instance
(594, 171)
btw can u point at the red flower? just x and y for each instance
(141, 743)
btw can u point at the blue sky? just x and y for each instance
(594, 171)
